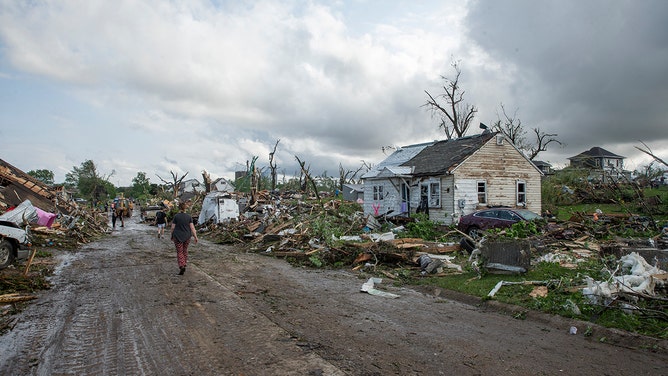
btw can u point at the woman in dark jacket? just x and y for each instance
(183, 229)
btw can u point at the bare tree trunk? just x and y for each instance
(308, 177)
(272, 166)
(253, 182)
(175, 184)
(456, 115)
(207, 181)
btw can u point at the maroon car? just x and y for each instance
(472, 224)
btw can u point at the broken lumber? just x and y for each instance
(15, 297)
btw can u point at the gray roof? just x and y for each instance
(443, 156)
(541, 164)
(354, 187)
(401, 155)
(596, 152)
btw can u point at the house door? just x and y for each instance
(405, 198)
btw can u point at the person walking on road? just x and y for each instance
(113, 215)
(183, 229)
(161, 222)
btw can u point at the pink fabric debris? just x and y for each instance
(45, 218)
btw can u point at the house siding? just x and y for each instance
(391, 201)
(501, 166)
(465, 190)
(443, 214)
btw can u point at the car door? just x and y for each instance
(487, 219)
(506, 218)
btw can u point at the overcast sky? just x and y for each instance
(186, 86)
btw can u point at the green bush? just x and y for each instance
(422, 227)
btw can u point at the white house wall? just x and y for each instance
(501, 166)
(466, 197)
(391, 201)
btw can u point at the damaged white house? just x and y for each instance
(451, 178)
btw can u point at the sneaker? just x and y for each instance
(182, 270)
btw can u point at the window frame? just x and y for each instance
(433, 190)
(521, 195)
(482, 183)
(378, 193)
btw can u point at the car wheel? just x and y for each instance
(474, 232)
(6, 253)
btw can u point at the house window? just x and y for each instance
(431, 192)
(405, 198)
(435, 195)
(482, 192)
(378, 193)
(521, 193)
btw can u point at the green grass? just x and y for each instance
(564, 296)
(565, 212)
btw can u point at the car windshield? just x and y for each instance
(528, 214)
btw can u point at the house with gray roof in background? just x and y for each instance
(597, 158)
(602, 164)
(450, 178)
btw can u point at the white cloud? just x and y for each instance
(193, 85)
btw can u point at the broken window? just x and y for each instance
(521, 193)
(432, 192)
(435, 195)
(482, 192)
(378, 192)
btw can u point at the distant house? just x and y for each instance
(601, 163)
(191, 186)
(353, 192)
(597, 158)
(451, 178)
(222, 185)
(544, 167)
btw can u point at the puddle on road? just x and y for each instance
(63, 260)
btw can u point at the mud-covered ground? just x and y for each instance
(118, 307)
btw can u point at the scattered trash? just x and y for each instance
(497, 287)
(368, 287)
(638, 278)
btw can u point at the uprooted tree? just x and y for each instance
(455, 114)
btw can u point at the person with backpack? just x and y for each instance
(161, 222)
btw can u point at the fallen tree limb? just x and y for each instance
(15, 297)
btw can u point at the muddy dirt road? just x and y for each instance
(118, 307)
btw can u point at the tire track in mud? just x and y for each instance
(118, 308)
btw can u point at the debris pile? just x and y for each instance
(67, 224)
(334, 232)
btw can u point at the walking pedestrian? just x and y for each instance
(120, 213)
(183, 229)
(113, 215)
(161, 222)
